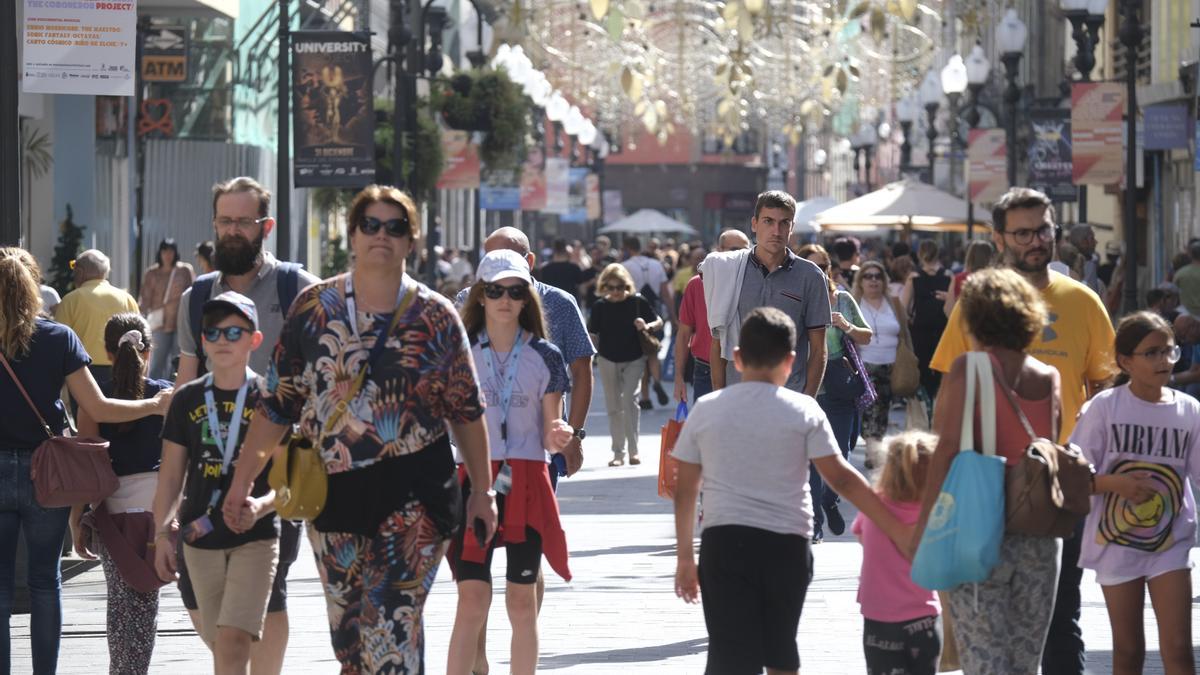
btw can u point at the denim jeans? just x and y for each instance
(165, 347)
(1064, 653)
(846, 422)
(44, 532)
(701, 380)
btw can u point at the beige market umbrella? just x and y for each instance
(648, 221)
(903, 205)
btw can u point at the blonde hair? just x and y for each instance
(20, 300)
(902, 478)
(618, 272)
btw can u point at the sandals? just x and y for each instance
(617, 462)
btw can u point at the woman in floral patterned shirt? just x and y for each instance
(393, 499)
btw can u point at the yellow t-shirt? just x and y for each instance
(87, 310)
(1078, 342)
(682, 277)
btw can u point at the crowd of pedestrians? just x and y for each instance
(441, 419)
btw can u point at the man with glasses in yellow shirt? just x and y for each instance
(1078, 342)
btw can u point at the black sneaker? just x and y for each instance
(645, 404)
(661, 393)
(834, 519)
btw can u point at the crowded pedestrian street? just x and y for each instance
(619, 615)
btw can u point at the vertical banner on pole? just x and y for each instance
(499, 190)
(533, 181)
(558, 186)
(79, 47)
(987, 165)
(593, 196)
(1050, 154)
(1097, 109)
(576, 196)
(332, 109)
(462, 161)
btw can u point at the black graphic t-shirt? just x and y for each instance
(187, 424)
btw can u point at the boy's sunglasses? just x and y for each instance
(231, 333)
(496, 291)
(396, 227)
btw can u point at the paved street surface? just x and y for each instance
(619, 615)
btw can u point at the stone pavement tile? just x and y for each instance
(619, 614)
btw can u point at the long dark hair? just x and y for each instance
(168, 244)
(531, 317)
(1132, 330)
(128, 364)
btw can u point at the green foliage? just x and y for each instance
(486, 100)
(36, 154)
(70, 244)
(326, 200)
(423, 157)
(335, 259)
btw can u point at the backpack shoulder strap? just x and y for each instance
(287, 284)
(201, 289)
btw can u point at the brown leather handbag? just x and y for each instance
(67, 471)
(1049, 491)
(906, 372)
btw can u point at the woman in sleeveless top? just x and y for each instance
(925, 298)
(1001, 623)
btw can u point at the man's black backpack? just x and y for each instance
(287, 284)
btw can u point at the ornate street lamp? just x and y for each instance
(1011, 35)
(906, 112)
(1086, 17)
(1131, 36)
(931, 98)
(954, 83)
(978, 70)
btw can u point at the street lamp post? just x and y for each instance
(906, 112)
(1011, 34)
(931, 97)
(1086, 17)
(978, 71)
(954, 83)
(1131, 36)
(10, 133)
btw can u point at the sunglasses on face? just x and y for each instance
(613, 288)
(496, 291)
(872, 277)
(396, 227)
(231, 333)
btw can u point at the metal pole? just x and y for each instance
(1131, 37)
(283, 152)
(973, 118)
(10, 130)
(931, 110)
(906, 147)
(139, 162)
(1012, 95)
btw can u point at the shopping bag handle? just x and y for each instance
(681, 411)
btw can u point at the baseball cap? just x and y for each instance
(238, 304)
(503, 264)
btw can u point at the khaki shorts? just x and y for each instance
(232, 586)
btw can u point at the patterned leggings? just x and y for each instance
(132, 620)
(375, 590)
(1001, 624)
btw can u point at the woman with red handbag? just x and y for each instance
(38, 357)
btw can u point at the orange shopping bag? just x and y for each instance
(668, 466)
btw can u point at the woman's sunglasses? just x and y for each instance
(872, 277)
(614, 288)
(396, 227)
(496, 291)
(231, 333)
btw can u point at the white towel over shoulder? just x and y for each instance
(722, 288)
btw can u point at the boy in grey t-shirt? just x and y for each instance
(755, 551)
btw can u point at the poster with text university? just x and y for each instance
(332, 109)
(1096, 127)
(79, 47)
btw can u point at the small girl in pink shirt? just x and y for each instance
(901, 631)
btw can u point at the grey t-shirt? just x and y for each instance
(264, 291)
(755, 472)
(797, 288)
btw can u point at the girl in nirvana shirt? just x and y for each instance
(1142, 438)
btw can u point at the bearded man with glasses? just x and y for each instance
(241, 221)
(1077, 341)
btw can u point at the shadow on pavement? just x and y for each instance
(632, 655)
(636, 495)
(625, 550)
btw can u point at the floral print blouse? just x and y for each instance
(424, 376)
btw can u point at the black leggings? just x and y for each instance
(903, 648)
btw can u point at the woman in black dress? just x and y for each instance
(924, 296)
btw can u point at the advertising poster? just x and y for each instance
(164, 54)
(79, 47)
(592, 189)
(987, 165)
(533, 181)
(332, 109)
(1167, 126)
(1096, 127)
(499, 190)
(1050, 154)
(576, 197)
(558, 184)
(462, 161)
(614, 206)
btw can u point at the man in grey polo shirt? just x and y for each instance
(240, 208)
(768, 275)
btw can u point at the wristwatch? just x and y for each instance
(489, 493)
(580, 433)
